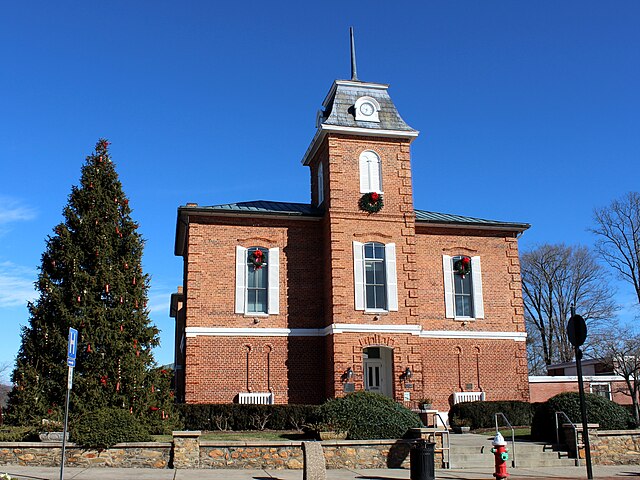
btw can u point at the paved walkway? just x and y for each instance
(50, 473)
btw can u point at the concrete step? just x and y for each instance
(476, 454)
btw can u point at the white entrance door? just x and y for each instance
(373, 375)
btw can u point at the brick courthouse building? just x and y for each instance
(295, 303)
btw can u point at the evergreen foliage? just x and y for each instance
(367, 415)
(90, 279)
(609, 415)
(105, 427)
(481, 414)
(233, 416)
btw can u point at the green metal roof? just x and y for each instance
(424, 216)
(302, 210)
(265, 207)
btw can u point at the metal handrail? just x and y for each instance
(445, 433)
(513, 435)
(575, 434)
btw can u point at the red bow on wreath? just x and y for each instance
(374, 196)
(462, 266)
(257, 259)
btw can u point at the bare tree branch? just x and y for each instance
(618, 230)
(554, 277)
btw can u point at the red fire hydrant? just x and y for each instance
(501, 454)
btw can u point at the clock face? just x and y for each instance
(366, 109)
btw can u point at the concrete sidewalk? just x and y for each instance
(51, 473)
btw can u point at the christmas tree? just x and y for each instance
(91, 279)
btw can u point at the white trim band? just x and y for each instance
(337, 328)
(574, 378)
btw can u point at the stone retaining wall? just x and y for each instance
(288, 455)
(188, 451)
(47, 454)
(615, 447)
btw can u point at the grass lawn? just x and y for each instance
(244, 436)
(521, 433)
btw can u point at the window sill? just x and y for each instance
(258, 315)
(465, 319)
(376, 312)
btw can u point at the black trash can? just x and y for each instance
(422, 461)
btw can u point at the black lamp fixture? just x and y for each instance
(406, 375)
(347, 376)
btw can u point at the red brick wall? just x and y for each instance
(221, 367)
(317, 290)
(541, 392)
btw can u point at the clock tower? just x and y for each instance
(360, 167)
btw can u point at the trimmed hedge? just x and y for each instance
(608, 414)
(366, 416)
(245, 417)
(481, 414)
(105, 427)
(18, 434)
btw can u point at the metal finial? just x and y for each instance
(354, 69)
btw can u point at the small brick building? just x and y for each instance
(296, 303)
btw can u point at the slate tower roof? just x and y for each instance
(339, 114)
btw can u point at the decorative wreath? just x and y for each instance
(462, 266)
(257, 259)
(371, 202)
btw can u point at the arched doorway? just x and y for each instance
(377, 366)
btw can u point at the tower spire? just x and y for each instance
(354, 68)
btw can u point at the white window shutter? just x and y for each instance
(375, 175)
(358, 274)
(320, 184)
(392, 277)
(273, 265)
(241, 275)
(364, 174)
(447, 269)
(476, 278)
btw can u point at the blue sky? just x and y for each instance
(528, 111)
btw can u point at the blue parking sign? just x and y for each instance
(73, 347)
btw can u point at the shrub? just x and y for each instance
(608, 414)
(18, 434)
(367, 415)
(106, 427)
(245, 417)
(481, 414)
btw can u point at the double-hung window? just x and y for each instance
(462, 287)
(374, 268)
(257, 280)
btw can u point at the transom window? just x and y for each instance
(375, 276)
(257, 280)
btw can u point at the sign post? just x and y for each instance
(71, 362)
(577, 333)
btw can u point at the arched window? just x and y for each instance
(257, 280)
(370, 172)
(463, 287)
(374, 266)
